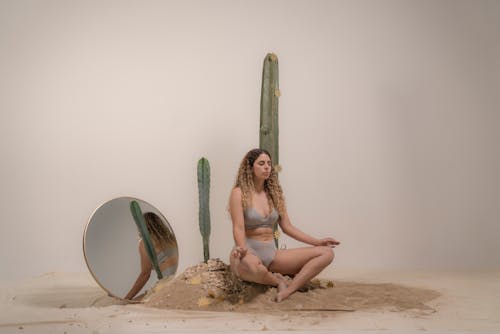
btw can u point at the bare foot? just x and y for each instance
(282, 286)
(282, 281)
(281, 295)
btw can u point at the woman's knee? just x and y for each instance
(252, 266)
(327, 253)
(258, 270)
(255, 273)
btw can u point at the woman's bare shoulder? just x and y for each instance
(235, 198)
(236, 192)
(142, 248)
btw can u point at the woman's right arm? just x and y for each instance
(236, 211)
(143, 277)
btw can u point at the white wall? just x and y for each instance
(389, 123)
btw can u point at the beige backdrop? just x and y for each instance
(389, 123)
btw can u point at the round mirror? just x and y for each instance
(117, 254)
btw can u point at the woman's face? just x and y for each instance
(262, 167)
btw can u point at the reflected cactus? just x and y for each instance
(146, 238)
(204, 210)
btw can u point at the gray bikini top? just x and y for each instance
(166, 253)
(163, 256)
(253, 219)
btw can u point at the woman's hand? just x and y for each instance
(330, 242)
(239, 252)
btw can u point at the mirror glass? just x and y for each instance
(112, 248)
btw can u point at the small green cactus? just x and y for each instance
(269, 130)
(146, 238)
(204, 211)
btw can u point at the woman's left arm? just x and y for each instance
(297, 234)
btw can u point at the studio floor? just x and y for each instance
(59, 302)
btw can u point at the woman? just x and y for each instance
(165, 247)
(256, 204)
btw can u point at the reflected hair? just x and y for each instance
(272, 187)
(162, 237)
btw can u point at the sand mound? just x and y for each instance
(211, 286)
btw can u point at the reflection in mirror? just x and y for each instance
(115, 252)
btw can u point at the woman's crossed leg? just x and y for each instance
(250, 268)
(305, 263)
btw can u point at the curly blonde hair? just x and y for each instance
(272, 187)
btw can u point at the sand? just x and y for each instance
(383, 302)
(213, 287)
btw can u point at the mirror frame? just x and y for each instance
(131, 198)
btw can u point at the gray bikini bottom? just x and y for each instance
(264, 250)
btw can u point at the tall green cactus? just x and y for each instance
(269, 130)
(204, 196)
(270, 94)
(146, 238)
